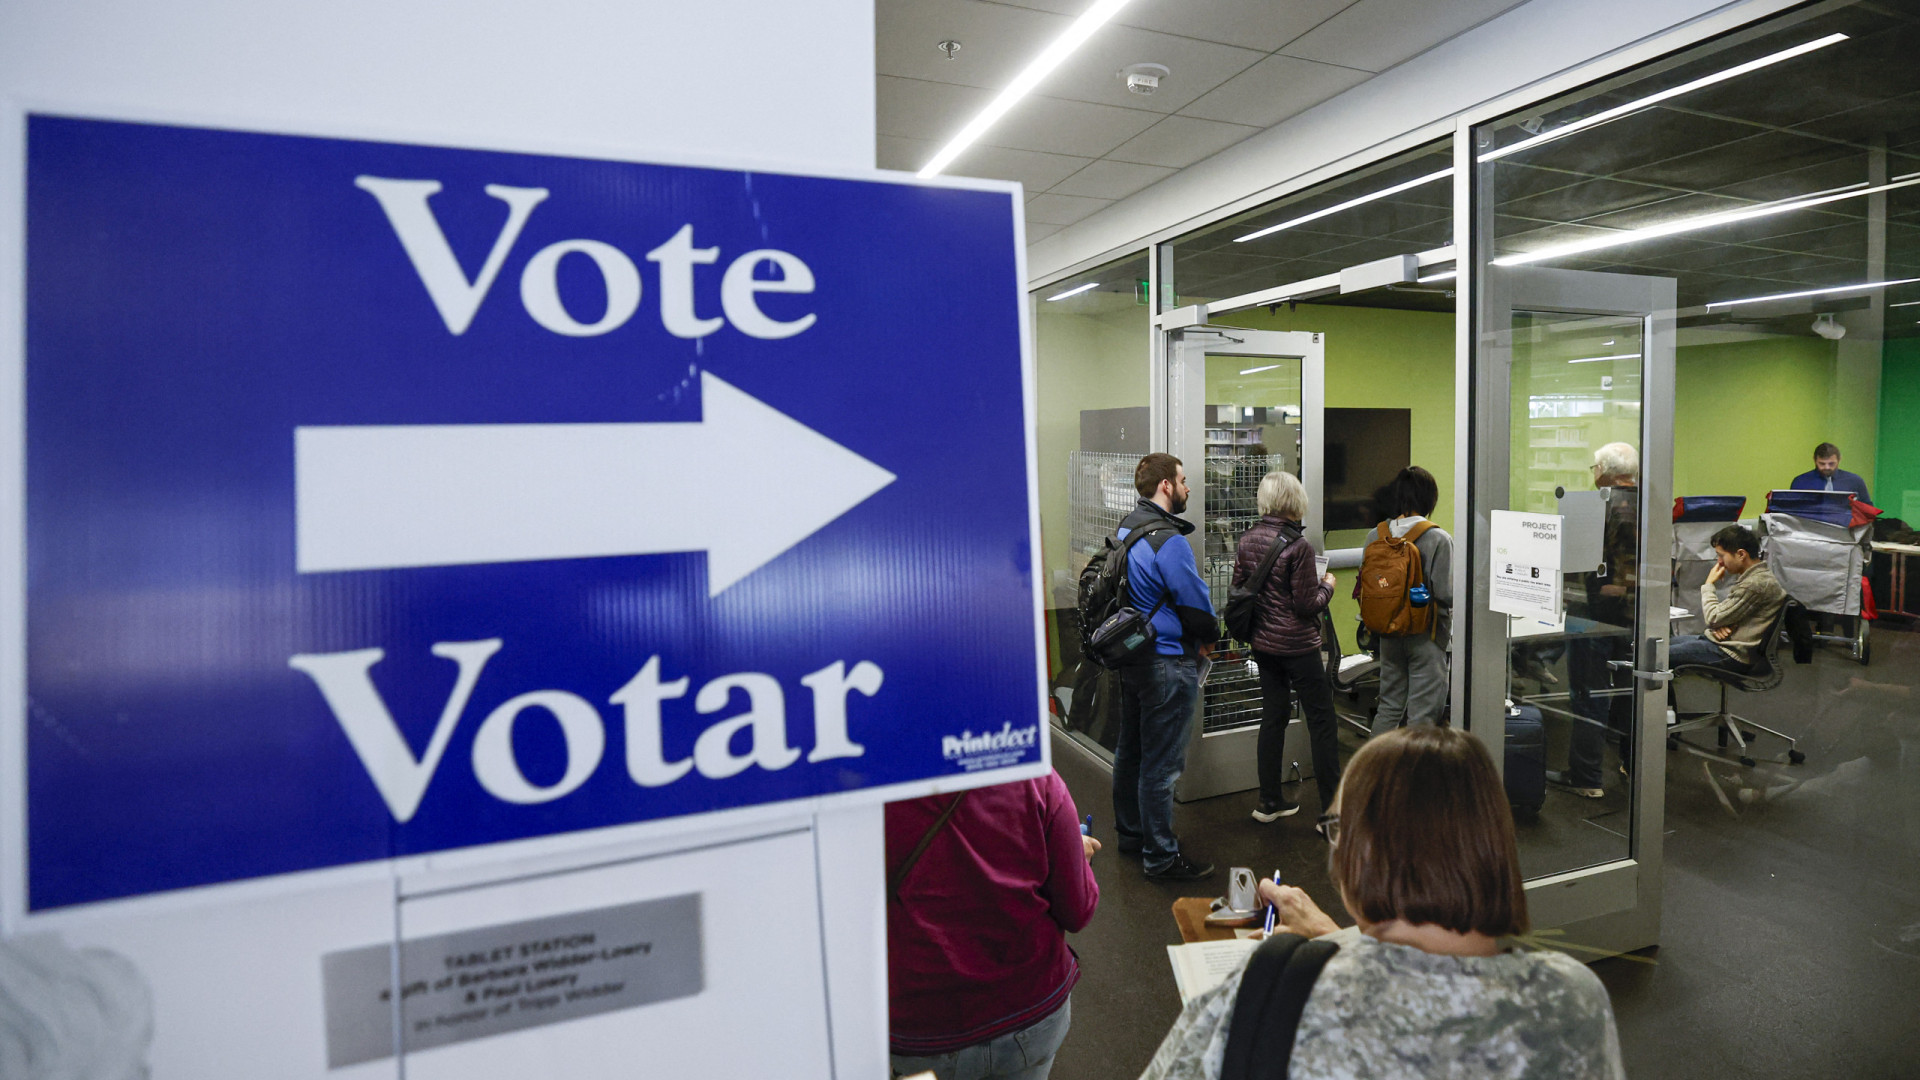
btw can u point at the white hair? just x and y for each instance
(1281, 495)
(1618, 459)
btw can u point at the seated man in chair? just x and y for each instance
(1737, 626)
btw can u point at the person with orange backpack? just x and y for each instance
(1405, 589)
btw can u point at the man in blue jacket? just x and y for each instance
(1157, 699)
(1827, 475)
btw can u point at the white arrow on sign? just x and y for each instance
(743, 484)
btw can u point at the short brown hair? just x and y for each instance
(1152, 469)
(1825, 449)
(1426, 835)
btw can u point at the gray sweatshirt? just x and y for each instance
(1436, 563)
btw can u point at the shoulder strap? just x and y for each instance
(900, 875)
(1266, 1015)
(1418, 530)
(1126, 563)
(1258, 582)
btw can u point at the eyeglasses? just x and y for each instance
(1329, 824)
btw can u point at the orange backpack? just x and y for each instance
(1389, 569)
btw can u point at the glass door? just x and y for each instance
(1239, 403)
(1572, 478)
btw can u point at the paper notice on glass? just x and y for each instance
(1200, 966)
(1525, 574)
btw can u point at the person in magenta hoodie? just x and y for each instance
(983, 888)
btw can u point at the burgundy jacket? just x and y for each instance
(976, 942)
(1286, 615)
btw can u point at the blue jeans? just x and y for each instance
(1156, 707)
(1700, 650)
(1026, 1054)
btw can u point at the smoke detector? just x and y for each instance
(1142, 78)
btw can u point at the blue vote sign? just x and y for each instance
(385, 499)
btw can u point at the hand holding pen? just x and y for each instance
(1271, 909)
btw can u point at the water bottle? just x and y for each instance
(1420, 595)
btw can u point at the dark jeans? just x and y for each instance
(1602, 716)
(1306, 676)
(1156, 709)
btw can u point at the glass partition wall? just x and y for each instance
(1092, 340)
(1685, 279)
(1674, 282)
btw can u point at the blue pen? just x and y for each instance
(1086, 825)
(1271, 910)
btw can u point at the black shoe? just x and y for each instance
(1182, 869)
(1274, 811)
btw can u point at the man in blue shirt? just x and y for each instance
(1158, 696)
(1827, 475)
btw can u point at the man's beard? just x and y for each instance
(1178, 505)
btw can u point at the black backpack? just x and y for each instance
(1113, 633)
(1266, 1014)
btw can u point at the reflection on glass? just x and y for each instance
(1091, 336)
(1575, 452)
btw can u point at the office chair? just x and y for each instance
(1765, 678)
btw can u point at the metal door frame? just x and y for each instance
(1225, 761)
(1615, 906)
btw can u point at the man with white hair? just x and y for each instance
(1607, 608)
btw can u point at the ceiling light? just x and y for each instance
(1826, 327)
(1075, 291)
(1265, 367)
(1597, 359)
(1862, 286)
(1619, 111)
(1444, 275)
(1023, 83)
(1348, 205)
(1905, 303)
(1704, 221)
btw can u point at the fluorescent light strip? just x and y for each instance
(1905, 303)
(1348, 205)
(1251, 370)
(1051, 57)
(1597, 359)
(1619, 111)
(1865, 285)
(1705, 221)
(1444, 275)
(1075, 291)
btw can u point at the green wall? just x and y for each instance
(1896, 483)
(1748, 414)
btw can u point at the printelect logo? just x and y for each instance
(967, 744)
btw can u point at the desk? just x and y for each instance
(1895, 590)
(1190, 912)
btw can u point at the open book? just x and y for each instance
(1199, 966)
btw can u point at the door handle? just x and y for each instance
(1650, 676)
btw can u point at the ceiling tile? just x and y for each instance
(1079, 128)
(1250, 24)
(1037, 232)
(1036, 171)
(1195, 67)
(1377, 34)
(1062, 209)
(996, 40)
(1274, 89)
(1179, 141)
(914, 109)
(1111, 179)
